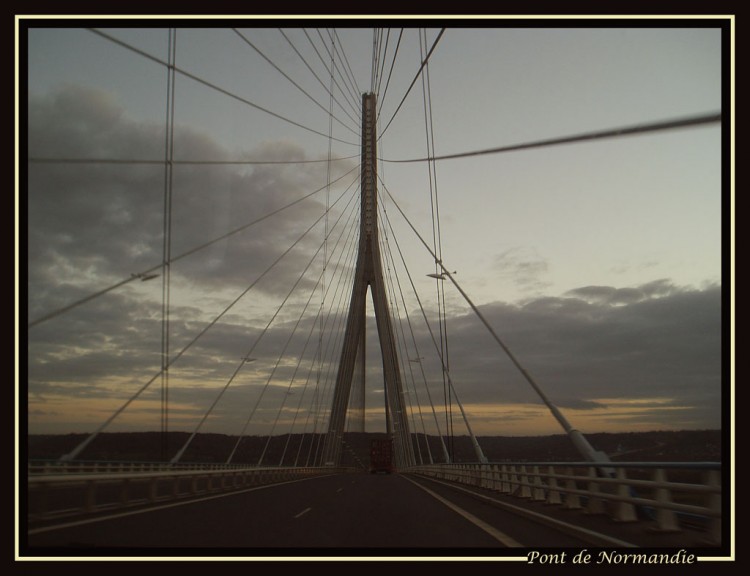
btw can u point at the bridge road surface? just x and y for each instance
(342, 511)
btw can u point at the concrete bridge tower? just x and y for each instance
(369, 273)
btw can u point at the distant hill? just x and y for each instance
(298, 449)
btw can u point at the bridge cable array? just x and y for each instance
(440, 350)
(338, 48)
(408, 361)
(436, 239)
(321, 279)
(173, 162)
(382, 95)
(167, 238)
(194, 250)
(419, 72)
(119, 411)
(579, 440)
(673, 124)
(169, 162)
(250, 351)
(325, 354)
(213, 86)
(295, 84)
(351, 97)
(329, 89)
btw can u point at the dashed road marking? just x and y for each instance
(305, 511)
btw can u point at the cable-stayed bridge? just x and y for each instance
(241, 307)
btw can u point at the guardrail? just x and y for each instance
(83, 488)
(627, 492)
(114, 467)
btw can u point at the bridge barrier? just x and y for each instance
(623, 511)
(539, 492)
(553, 494)
(36, 467)
(636, 492)
(594, 504)
(524, 485)
(506, 481)
(514, 481)
(572, 495)
(73, 489)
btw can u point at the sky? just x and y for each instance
(598, 264)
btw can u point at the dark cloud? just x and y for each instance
(92, 225)
(620, 296)
(579, 404)
(580, 351)
(663, 352)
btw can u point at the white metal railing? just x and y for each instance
(102, 467)
(625, 491)
(72, 489)
(669, 495)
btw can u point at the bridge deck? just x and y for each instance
(343, 514)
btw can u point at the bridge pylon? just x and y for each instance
(369, 274)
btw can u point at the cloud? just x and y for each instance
(92, 225)
(580, 404)
(588, 358)
(580, 351)
(620, 296)
(524, 266)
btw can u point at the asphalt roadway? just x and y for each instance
(342, 514)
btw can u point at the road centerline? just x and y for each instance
(305, 511)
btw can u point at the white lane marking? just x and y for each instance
(590, 536)
(305, 511)
(340, 490)
(116, 515)
(495, 533)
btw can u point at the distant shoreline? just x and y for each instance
(675, 446)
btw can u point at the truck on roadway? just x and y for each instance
(381, 456)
